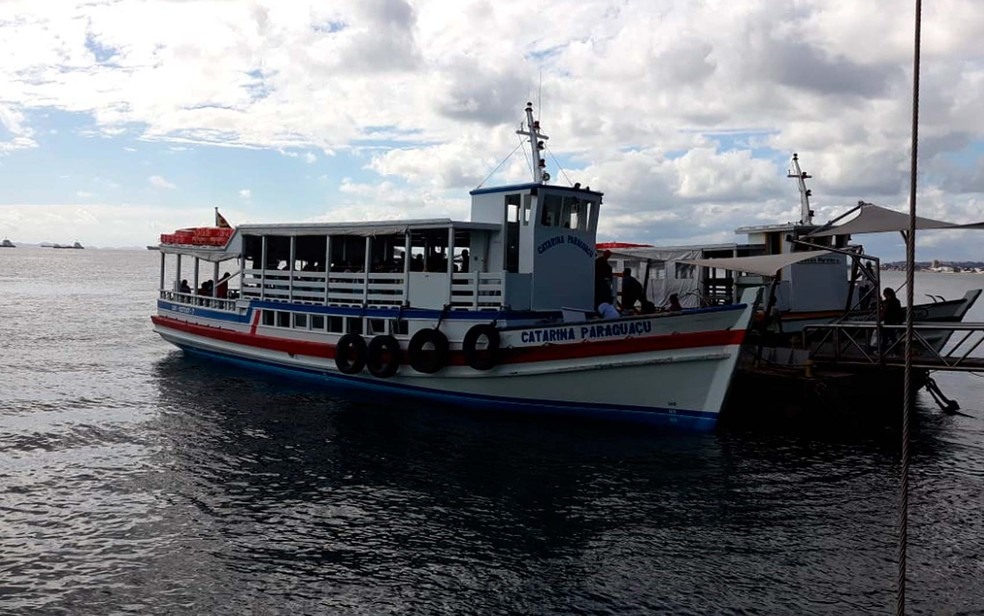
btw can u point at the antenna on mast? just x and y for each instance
(806, 214)
(537, 145)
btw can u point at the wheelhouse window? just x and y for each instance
(567, 212)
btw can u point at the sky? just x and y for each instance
(124, 119)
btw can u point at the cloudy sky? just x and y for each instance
(123, 119)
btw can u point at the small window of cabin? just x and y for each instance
(336, 325)
(353, 325)
(512, 208)
(550, 209)
(657, 270)
(399, 327)
(685, 271)
(377, 326)
(774, 244)
(318, 322)
(269, 317)
(527, 206)
(283, 319)
(300, 321)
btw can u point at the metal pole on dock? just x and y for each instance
(910, 259)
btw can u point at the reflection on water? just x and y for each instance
(134, 479)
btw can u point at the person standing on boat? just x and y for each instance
(222, 289)
(632, 291)
(891, 314)
(603, 279)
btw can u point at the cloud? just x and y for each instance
(246, 193)
(159, 182)
(684, 113)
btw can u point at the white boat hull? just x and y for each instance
(673, 370)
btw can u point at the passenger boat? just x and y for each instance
(7, 244)
(496, 312)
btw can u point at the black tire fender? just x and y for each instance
(424, 360)
(383, 356)
(481, 359)
(350, 354)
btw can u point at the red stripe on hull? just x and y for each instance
(547, 352)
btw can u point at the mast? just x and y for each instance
(537, 138)
(806, 214)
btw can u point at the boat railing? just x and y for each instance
(477, 291)
(205, 301)
(936, 345)
(467, 290)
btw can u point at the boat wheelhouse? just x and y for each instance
(493, 312)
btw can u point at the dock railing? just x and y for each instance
(936, 345)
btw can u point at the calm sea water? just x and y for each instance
(136, 480)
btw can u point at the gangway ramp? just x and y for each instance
(947, 347)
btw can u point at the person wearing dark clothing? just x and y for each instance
(674, 303)
(891, 314)
(184, 288)
(603, 279)
(632, 292)
(222, 289)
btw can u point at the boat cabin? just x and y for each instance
(527, 248)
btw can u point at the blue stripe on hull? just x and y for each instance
(693, 421)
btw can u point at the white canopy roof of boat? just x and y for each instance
(205, 253)
(876, 219)
(385, 227)
(765, 265)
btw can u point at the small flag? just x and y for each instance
(220, 220)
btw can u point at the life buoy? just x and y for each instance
(383, 358)
(481, 359)
(350, 354)
(427, 360)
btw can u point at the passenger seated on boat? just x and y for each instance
(417, 263)
(206, 288)
(674, 305)
(608, 311)
(648, 307)
(464, 260)
(184, 288)
(632, 292)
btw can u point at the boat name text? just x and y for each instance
(557, 240)
(586, 332)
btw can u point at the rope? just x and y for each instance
(480, 184)
(910, 258)
(557, 162)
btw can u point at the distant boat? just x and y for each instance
(7, 244)
(153, 247)
(75, 246)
